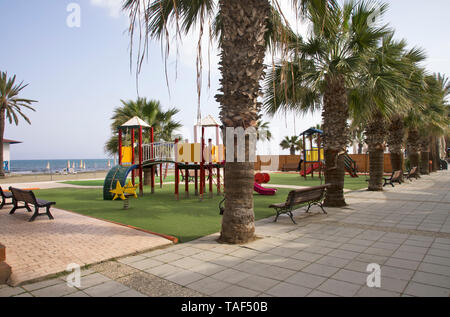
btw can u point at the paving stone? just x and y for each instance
(422, 290)
(77, 294)
(288, 290)
(393, 284)
(11, 291)
(129, 293)
(319, 269)
(187, 263)
(54, 291)
(317, 293)
(307, 256)
(236, 291)
(401, 263)
(92, 280)
(436, 260)
(106, 289)
(164, 270)
(432, 279)
(184, 277)
(208, 268)
(351, 276)
(42, 284)
(208, 286)
(306, 279)
(24, 295)
(339, 288)
(375, 292)
(435, 268)
(353, 247)
(131, 259)
(396, 272)
(333, 261)
(258, 283)
(145, 264)
(230, 276)
(168, 257)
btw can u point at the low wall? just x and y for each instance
(275, 162)
(269, 162)
(362, 162)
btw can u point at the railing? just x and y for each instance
(159, 151)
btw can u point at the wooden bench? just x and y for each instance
(299, 198)
(396, 177)
(5, 196)
(413, 172)
(28, 198)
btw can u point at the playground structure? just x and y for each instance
(314, 156)
(261, 178)
(200, 157)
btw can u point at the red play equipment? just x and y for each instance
(314, 167)
(261, 178)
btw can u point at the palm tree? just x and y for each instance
(292, 143)
(11, 105)
(244, 30)
(380, 93)
(325, 67)
(148, 110)
(263, 131)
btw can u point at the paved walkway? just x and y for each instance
(43, 247)
(405, 230)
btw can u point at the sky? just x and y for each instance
(78, 75)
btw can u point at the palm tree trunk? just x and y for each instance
(242, 68)
(335, 138)
(292, 151)
(395, 140)
(413, 148)
(2, 132)
(375, 134)
(425, 162)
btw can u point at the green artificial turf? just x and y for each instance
(186, 219)
(99, 182)
(297, 180)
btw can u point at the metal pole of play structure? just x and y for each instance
(177, 176)
(210, 168)
(152, 140)
(120, 146)
(218, 161)
(319, 147)
(141, 185)
(202, 166)
(132, 156)
(311, 146)
(304, 156)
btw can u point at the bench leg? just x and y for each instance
(321, 206)
(49, 214)
(27, 207)
(292, 217)
(309, 206)
(2, 203)
(36, 213)
(276, 217)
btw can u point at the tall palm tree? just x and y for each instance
(11, 107)
(292, 143)
(150, 111)
(263, 131)
(244, 30)
(325, 67)
(379, 94)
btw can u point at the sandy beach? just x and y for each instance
(32, 178)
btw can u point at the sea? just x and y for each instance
(58, 166)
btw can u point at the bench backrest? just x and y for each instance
(23, 195)
(1, 192)
(396, 175)
(299, 196)
(413, 170)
